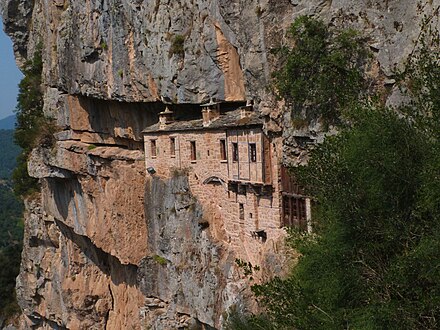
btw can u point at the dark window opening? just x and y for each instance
(172, 146)
(153, 148)
(241, 189)
(241, 210)
(235, 152)
(260, 234)
(288, 182)
(294, 212)
(222, 149)
(233, 187)
(252, 152)
(193, 150)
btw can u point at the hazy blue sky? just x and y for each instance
(9, 76)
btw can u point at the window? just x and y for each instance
(241, 189)
(241, 211)
(222, 149)
(193, 150)
(235, 152)
(294, 204)
(294, 212)
(172, 146)
(153, 148)
(252, 152)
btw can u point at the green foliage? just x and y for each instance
(29, 109)
(104, 45)
(247, 267)
(11, 236)
(323, 73)
(160, 260)
(420, 80)
(373, 260)
(24, 185)
(177, 45)
(9, 269)
(237, 321)
(33, 128)
(259, 11)
(9, 152)
(91, 147)
(11, 229)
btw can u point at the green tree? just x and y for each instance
(10, 267)
(373, 261)
(322, 74)
(30, 122)
(9, 152)
(11, 229)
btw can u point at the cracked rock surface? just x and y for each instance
(106, 246)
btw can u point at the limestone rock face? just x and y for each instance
(106, 246)
(189, 51)
(66, 282)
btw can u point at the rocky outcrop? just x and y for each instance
(123, 49)
(190, 270)
(107, 247)
(66, 282)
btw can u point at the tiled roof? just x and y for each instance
(227, 120)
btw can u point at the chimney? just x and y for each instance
(165, 117)
(247, 110)
(210, 112)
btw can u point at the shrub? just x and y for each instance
(33, 128)
(372, 262)
(322, 74)
(160, 260)
(104, 45)
(177, 46)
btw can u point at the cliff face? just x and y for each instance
(94, 236)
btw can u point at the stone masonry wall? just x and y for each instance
(221, 207)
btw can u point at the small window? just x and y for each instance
(222, 149)
(153, 148)
(235, 152)
(172, 146)
(294, 212)
(241, 211)
(193, 150)
(252, 152)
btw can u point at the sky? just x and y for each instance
(10, 76)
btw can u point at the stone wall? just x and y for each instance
(209, 178)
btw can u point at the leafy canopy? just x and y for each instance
(321, 75)
(33, 128)
(11, 227)
(373, 259)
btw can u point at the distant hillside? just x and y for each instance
(11, 226)
(8, 122)
(8, 153)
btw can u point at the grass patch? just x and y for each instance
(160, 260)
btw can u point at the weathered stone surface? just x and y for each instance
(98, 192)
(92, 242)
(189, 271)
(66, 282)
(120, 49)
